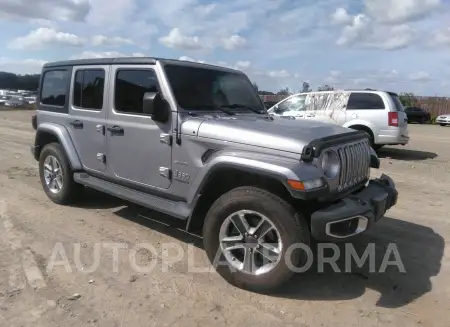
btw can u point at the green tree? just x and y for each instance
(284, 91)
(18, 82)
(408, 99)
(306, 87)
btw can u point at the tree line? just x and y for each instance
(19, 82)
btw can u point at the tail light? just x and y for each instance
(393, 119)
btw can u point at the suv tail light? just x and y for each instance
(393, 119)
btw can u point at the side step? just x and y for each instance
(176, 209)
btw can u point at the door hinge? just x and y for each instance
(100, 129)
(166, 138)
(101, 157)
(165, 172)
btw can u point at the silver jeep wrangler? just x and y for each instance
(195, 142)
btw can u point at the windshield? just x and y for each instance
(294, 103)
(208, 89)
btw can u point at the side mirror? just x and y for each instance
(154, 105)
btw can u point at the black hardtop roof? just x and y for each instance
(103, 61)
(130, 61)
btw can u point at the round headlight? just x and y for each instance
(330, 164)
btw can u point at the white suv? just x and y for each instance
(378, 113)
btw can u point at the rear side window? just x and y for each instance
(89, 88)
(398, 103)
(54, 88)
(365, 101)
(130, 88)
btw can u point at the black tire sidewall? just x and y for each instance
(291, 226)
(66, 194)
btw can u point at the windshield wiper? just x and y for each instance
(237, 105)
(211, 106)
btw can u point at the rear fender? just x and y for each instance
(63, 136)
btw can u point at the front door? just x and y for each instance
(87, 115)
(294, 106)
(136, 149)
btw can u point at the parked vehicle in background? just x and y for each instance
(378, 113)
(30, 100)
(443, 120)
(194, 141)
(14, 101)
(269, 104)
(417, 115)
(3, 99)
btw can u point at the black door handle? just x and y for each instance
(76, 124)
(115, 130)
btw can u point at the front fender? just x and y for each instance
(279, 168)
(63, 136)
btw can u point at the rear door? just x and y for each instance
(87, 114)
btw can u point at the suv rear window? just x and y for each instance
(363, 101)
(398, 103)
(54, 88)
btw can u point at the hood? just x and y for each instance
(278, 133)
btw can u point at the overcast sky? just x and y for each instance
(399, 45)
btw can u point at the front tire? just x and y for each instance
(377, 147)
(56, 175)
(443, 124)
(249, 235)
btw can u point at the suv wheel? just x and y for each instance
(56, 175)
(248, 234)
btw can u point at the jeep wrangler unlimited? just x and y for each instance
(195, 142)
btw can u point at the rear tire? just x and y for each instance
(290, 227)
(57, 176)
(443, 124)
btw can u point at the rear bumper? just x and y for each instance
(356, 213)
(393, 139)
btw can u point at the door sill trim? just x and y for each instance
(176, 209)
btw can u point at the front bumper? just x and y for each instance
(356, 213)
(443, 121)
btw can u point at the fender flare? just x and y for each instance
(261, 165)
(63, 136)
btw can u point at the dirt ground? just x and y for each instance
(114, 294)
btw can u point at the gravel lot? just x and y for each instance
(33, 295)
